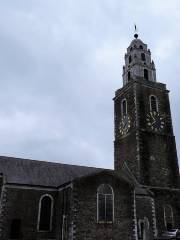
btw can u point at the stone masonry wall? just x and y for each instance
(85, 219)
(24, 204)
(167, 197)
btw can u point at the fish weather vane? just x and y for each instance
(135, 28)
(135, 31)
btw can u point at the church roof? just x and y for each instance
(41, 173)
(49, 174)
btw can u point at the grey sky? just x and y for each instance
(60, 63)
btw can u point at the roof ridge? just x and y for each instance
(49, 162)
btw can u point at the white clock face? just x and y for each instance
(155, 121)
(125, 125)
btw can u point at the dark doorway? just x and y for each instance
(15, 231)
(142, 230)
(169, 226)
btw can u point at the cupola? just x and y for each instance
(138, 63)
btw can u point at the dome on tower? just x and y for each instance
(136, 41)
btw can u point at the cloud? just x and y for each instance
(166, 48)
(60, 63)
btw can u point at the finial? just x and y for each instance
(136, 35)
(135, 31)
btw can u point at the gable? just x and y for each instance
(105, 175)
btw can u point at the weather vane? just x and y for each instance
(135, 31)
(135, 28)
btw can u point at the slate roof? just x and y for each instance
(40, 173)
(50, 174)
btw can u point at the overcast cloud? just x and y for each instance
(60, 63)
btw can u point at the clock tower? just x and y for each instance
(144, 138)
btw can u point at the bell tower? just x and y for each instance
(144, 136)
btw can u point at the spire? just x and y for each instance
(138, 64)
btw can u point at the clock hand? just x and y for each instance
(153, 118)
(125, 123)
(154, 122)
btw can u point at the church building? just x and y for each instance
(139, 199)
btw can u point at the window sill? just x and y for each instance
(105, 222)
(43, 231)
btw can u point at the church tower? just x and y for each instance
(144, 138)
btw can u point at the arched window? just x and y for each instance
(143, 57)
(153, 104)
(146, 75)
(124, 107)
(129, 76)
(130, 49)
(105, 203)
(15, 230)
(168, 217)
(130, 59)
(141, 47)
(45, 213)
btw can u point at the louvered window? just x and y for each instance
(124, 107)
(146, 74)
(129, 76)
(143, 57)
(153, 104)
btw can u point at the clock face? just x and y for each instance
(124, 125)
(155, 121)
